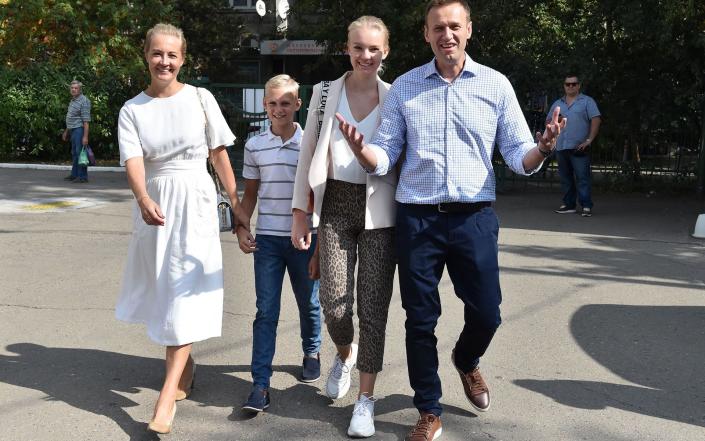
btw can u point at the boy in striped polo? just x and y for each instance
(269, 171)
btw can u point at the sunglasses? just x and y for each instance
(571, 84)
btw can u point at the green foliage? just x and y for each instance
(45, 44)
(643, 61)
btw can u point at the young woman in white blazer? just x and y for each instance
(354, 213)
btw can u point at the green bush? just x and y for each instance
(33, 103)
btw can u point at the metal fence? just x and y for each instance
(665, 154)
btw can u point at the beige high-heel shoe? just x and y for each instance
(162, 428)
(183, 394)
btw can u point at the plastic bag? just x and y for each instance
(83, 157)
(91, 156)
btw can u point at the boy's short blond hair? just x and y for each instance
(282, 81)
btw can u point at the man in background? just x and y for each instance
(572, 150)
(78, 116)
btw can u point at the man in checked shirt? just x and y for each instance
(445, 118)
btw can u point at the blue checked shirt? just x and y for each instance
(447, 132)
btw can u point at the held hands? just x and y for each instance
(245, 239)
(350, 133)
(300, 234)
(151, 213)
(553, 129)
(84, 140)
(239, 216)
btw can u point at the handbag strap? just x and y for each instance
(325, 87)
(211, 167)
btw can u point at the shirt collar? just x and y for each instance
(275, 140)
(470, 66)
(578, 97)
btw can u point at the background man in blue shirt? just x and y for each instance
(572, 148)
(445, 118)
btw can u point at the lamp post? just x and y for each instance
(701, 154)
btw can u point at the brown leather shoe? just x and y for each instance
(427, 428)
(476, 390)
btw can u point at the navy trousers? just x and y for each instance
(428, 241)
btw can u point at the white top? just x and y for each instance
(343, 165)
(273, 162)
(173, 279)
(144, 121)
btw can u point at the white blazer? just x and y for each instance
(314, 156)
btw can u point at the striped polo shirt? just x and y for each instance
(79, 112)
(273, 163)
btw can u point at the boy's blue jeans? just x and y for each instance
(276, 254)
(76, 137)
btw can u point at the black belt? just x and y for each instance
(455, 207)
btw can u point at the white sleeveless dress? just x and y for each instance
(173, 280)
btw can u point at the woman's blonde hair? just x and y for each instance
(370, 21)
(165, 29)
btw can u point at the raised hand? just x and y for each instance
(553, 129)
(350, 133)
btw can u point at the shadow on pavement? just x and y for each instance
(663, 217)
(49, 184)
(619, 260)
(94, 381)
(659, 348)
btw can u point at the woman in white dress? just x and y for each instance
(173, 281)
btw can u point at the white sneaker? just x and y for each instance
(362, 424)
(338, 382)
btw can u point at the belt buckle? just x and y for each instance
(440, 208)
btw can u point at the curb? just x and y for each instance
(59, 167)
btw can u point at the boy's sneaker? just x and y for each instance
(311, 369)
(587, 212)
(362, 424)
(564, 209)
(257, 401)
(338, 382)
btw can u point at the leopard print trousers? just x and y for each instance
(343, 240)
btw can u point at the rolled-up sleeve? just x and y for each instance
(390, 137)
(513, 135)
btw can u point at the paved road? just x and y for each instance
(603, 335)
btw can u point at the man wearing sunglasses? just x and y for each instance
(572, 150)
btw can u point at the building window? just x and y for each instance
(243, 4)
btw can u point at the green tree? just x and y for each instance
(643, 60)
(44, 44)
